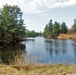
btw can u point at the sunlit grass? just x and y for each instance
(39, 70)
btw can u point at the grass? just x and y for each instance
(67, 36)
(22, 60)
(39, 70)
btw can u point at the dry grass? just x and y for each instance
(39, 70)
(22, 60)
(67, 36)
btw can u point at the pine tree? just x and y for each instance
(56, 29)
(11, 23)
(64, 28)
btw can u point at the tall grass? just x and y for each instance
(23, 60)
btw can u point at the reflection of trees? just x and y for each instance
(63, 46)
(75, 51)
(56, 47)
(8, 53)
(52, 47)
(49, 49)
(51, 52)
(74, 41)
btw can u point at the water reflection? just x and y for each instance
(64, 47)
(56, 47)
(7, 54)
(74, 42)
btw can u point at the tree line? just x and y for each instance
(72, 29)
(53, 30)
(32, 33)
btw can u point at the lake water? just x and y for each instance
(44, 51)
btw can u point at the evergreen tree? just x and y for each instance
(11, 23)
(64, 28)
(46, 31)
(74, 28)
(50, 27)
(56, 29)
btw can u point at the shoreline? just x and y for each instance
(6, 42)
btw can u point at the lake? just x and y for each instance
(41, 50)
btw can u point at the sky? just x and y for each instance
(37, 13)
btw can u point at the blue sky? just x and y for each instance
(37, 13)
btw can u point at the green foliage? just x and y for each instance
(64, 28)
(11, 23)
(53, 30)
(74, 28)
(32, 33)
(50, 27)
(46, 31)
(56, 29)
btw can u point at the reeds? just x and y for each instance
(23, 60)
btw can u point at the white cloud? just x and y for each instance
(38, 6)
(39, 11)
